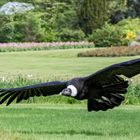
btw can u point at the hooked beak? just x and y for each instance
(66, 92)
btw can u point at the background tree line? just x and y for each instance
(64, 20)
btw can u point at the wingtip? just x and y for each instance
(7, 104)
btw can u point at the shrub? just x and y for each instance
(71, 35)
(129, 24)
(32, 28)
(115, 35)
(108, 36)
(111, 52)
(22, 27)
(133, 94)
(7, 32)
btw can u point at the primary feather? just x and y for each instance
(104, 89)
(43, 89)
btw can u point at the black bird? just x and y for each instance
(104, 89)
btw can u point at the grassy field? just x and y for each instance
(62, 122)
(68, 122)
(54, 63)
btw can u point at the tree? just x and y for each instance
(49, 21)
(92, 14)
(117, 10)
(7, 30)
(133, 8)
(31, 27)
(122, 9)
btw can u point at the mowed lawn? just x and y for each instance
(68, 122)
(52, 64)
(62, 122)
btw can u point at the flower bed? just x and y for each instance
(5, 47)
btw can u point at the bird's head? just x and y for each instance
(69, 91)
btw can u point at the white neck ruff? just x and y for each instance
(73, 89)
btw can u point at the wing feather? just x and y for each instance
(106, 75)
(6, 96)
(12, 97)
(37, 93)
(23, 93)
(20, 97)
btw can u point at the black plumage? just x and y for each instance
(43, 89)
(104, 89)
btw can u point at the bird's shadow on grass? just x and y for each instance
(72, 132)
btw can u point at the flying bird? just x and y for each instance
(103, 89)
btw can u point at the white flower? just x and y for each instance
(3, 79)
(29, 75)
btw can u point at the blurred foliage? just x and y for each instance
(122, 9)
(115, 35)
(71, 35)
(44, 24)
(63, 20)
(107, 36)
(92, 15)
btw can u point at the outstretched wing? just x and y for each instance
(128, 69)
(110, 85)
(43, 89)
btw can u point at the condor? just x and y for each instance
(104, 89)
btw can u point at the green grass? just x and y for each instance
(68, 122)
(54, 63)
(62, 122)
